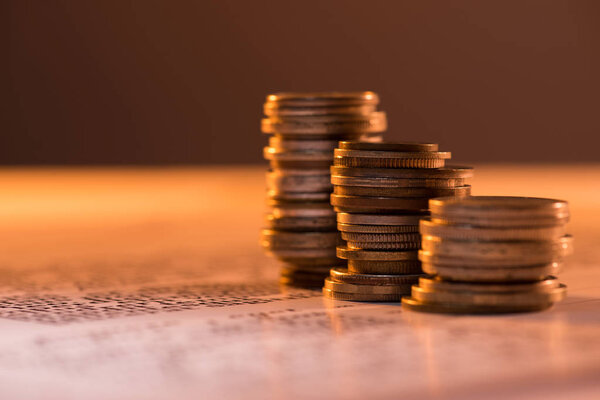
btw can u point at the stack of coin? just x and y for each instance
(306, 127)
(491, 255)
(381, 191)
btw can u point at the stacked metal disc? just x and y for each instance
(491, 255)
(381, 190)
(306, 127)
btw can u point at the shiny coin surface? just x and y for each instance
(384, 267)
(373, 219)
(378, 228)
(343, 287)
(383, 245)
(299, 240)
(342, 275)
(437, 284)
(500, 211)
(330, 294)
(467, 261)
(381, 237)
(357, 254)
(408, 173)
(409, 303)
(388, 162)
(493, 274)
(326, 124)
(273, 110)
(468, 232)
(398, 183)
(387, 146)
(322, 99)
(400, 191)
(523, 298)
(505, 250)
(377, 204)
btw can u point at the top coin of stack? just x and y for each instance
(305, 128)
(491, 255)
(381, 190)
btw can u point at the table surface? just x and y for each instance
(149, 283)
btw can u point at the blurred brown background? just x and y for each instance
(160, 82)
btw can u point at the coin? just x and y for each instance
(364, 288)
(384, 267)
(410, 303)
(371, 219)
(408, 173)
(330, 294)
(383, 245)
(468, 232)
(438, 284)
(377, 204)
(273, 110)
(381, 237)
(388, 162)
(493, 274)
(271, 153)
(342, 275)
(298, 256)
(506, 250)
(374, 122)
(357, 254)
(524, 298)
(495, 211)
(465, 260)
(400, 146)
(397, 183)
(299, 240)
(400, 191)
(300, 223)
(321, 99)
(378, 228)
(404, 155)
(299, 180)
(323, 270)
(314, 261)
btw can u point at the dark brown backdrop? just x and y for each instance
(183, 81)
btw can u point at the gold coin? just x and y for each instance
(466, 261)
(379, 219)
(374, 229)
(342, 275)
(405, 155)
(384, 267)
(505, 250)
(442, 183)
(495, 211)
(326, 124)
(387, 146)
(355, 254)
(400, 191)
(467, 232)
(273, 110)
(330, 294)
(409, 303)
(321, 99)
(381, 237)
(365, 288)
(455, 172)
(493, 274)
(437, 284)
(489, 299)
(388, 162)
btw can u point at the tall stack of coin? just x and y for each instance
(306, 127)
(381, 191)
(491, 255)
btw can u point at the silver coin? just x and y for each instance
(371, 255)
(378, 228)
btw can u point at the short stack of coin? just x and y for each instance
(491, 255)
(381, 191)
(306, 127)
